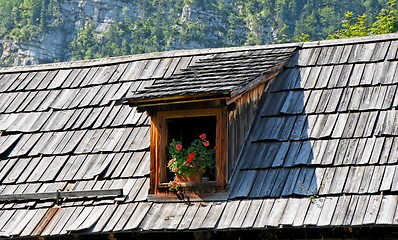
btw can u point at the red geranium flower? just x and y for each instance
(202, 136)
(191, 156)
(178, 147)
(196, 158)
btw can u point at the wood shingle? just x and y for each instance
(319, 150)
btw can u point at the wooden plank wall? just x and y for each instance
(239, 123)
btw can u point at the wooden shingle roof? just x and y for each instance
(224, 74)
(326, 131)
(321, 151)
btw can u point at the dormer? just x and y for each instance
(216, 93)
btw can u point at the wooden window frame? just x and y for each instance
(159, 128)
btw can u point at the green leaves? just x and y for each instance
(386, 22)
(23, 20)
(197, 158)
(85, 46)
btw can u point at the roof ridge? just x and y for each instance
(354, 40)
(143, 56)
(193, 52)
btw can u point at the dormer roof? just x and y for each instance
(225, 73)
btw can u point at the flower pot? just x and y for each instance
(193, 178)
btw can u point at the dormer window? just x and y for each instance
(185, 125)
(188, 130)
(214, 92)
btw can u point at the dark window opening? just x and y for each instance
(188, 129)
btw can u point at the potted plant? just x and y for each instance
(189, 164)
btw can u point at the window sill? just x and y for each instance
(202, 187)
(193, 197)
(192, 184)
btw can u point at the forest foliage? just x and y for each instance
(21, 20)
(386, 22)
(161, 25)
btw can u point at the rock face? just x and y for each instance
(45, 48)
(54, 44)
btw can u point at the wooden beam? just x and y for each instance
(145, 103)
(92, 193)
(27, 196)
(61, 195)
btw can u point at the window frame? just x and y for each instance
(158, 169)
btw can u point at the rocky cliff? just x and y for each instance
(43, 31)
(186, 25)
(53, 44)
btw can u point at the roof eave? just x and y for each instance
(144, 103)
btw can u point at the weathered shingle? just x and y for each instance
(327, 122)
(216, 74)
(321, 152)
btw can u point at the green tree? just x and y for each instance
(386, 22)
(303, 38)
(86, 45)
(352, 27)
